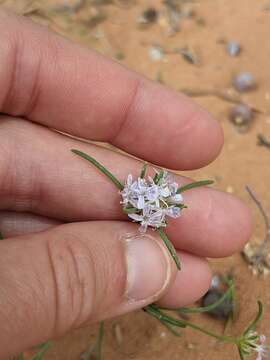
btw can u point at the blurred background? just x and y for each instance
(218, 52)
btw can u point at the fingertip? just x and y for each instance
(231, 221)
(241, 218)
(215, 224)
(190, 284)
(202, 137)
(177, 133)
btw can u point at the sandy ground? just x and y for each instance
(241, 162)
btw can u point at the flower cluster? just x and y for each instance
(254, 343)
(150, 201)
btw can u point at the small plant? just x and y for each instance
(149, 202)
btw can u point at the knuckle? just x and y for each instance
(73, 274)
(20, 63)
(20, 187)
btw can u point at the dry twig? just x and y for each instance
(257, 257)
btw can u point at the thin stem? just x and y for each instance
(241, 354)
(1, 236)
(163, 318)
(170, 328)
(261, 249)
(158, 177)
(259, 205)
(203, 309)
(194, 185)
(100, 167)
(170, 248)
(143, 172)
(262, 141)
(224, 338)
(153, 311)
(257, 318)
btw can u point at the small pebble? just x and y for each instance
(215, 282)
(190, 346)
(118, 334)
(230, 190)
(156, 53)
(244, 82)
(150, 15)
(241, 116)
(233, 48)
(224, 310)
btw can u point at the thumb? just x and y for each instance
(73, 274)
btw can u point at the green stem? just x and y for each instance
(170, 248)
(241, 354)
(153, 311)
(194, 185)
(100, 167)
(158, 176)
(1, 236)
(257, 318)
(143, 172)
(203, 309)
(170, 328)
(223, 338)
(163, 318)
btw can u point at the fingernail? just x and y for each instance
(148, 268)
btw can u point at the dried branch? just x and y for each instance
(258, 258)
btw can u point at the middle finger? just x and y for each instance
(40, 175)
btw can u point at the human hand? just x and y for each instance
(69, 258)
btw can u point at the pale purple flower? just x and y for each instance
(150, 217)
(262, 349)
(151, 201)
(173, 212)
(176, 199)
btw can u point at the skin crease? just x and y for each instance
(64, 260)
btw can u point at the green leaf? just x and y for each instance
(162, 317)
(130, 210)
(194, 185)
(43, 349)
(143, 172)
(158, 177)
(170, 328)
(181, 206)
(253, 324)
(170, 248)
(241, 354)
(100, 167)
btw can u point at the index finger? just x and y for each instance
(64, 86)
